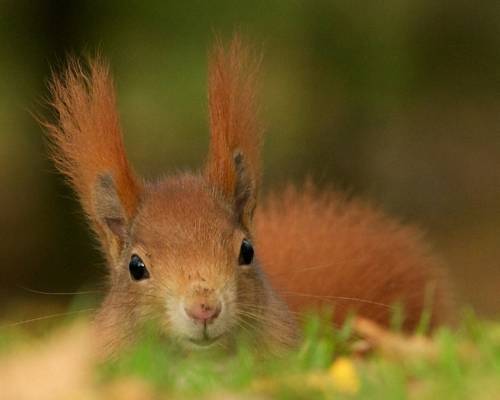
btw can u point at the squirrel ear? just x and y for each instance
(233, 165)
(245, 192)
(87, 146)
(111, 219)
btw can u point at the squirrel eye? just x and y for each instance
(246, 252)
(138, 270)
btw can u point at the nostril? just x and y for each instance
(203, 312)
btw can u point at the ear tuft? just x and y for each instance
(233, 165)
(87, 147)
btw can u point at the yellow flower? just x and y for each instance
(343, 375)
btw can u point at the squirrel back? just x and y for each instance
(330, 251)
(194, 253)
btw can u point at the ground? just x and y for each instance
(359, 361)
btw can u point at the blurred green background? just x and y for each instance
(397, 101)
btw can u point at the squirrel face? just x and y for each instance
(189, 246)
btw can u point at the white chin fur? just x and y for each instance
(201, 345)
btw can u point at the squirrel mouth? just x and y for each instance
(205, 341)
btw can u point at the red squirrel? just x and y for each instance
(194, 253)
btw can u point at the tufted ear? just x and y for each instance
(233, 165)
(87, 147)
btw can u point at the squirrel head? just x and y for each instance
(180, 250)
(188, 262)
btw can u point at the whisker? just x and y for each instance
(45, 317)
(255, 307)
(304, 269)
(247, 326)
(36, 291)
(260, 318)
(345, 298)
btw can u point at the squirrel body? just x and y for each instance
(349, 257)
(194, 253)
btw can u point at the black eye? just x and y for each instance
(246, 252)
(138, 270)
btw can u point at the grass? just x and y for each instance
(463, 363)
(466, 365)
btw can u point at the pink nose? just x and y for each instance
(203, 312)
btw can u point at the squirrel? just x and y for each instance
(195, 254)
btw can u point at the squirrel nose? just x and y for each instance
(203, 312)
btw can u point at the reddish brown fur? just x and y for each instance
(315, 247)
(87, 139)
(329, 250)
(233, 115)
